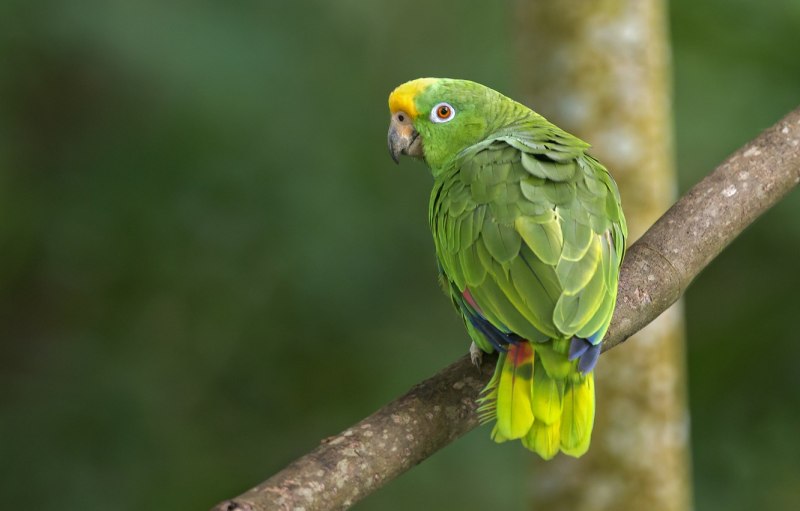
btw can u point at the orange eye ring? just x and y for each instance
(443, 112)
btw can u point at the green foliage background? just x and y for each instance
(208, 262)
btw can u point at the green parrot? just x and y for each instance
(529, 237)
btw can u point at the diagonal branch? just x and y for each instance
(657, 269)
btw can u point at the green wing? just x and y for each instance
(532, 228)
(529, 236)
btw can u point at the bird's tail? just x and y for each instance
(541, 398)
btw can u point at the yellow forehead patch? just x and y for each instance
(402, 98)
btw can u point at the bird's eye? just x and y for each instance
(442, 112)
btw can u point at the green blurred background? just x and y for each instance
(208, 261)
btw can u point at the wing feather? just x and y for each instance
(535, 233)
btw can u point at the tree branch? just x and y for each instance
(657, 269)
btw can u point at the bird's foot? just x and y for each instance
(476, 355)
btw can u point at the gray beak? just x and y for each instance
(403, 138)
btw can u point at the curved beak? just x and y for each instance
(403, 138)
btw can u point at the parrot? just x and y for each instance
(529, 236)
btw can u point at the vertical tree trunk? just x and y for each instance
(600, 69)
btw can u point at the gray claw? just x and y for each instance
(476, 355)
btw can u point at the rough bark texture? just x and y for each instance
(665, 260)
(349, 466)
(600, 69)
(656, 271)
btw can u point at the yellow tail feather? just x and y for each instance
(543, 439)
(547, 395)
(548, 413)
(514, 391)
(577, 419)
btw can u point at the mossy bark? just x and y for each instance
(601, 70)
